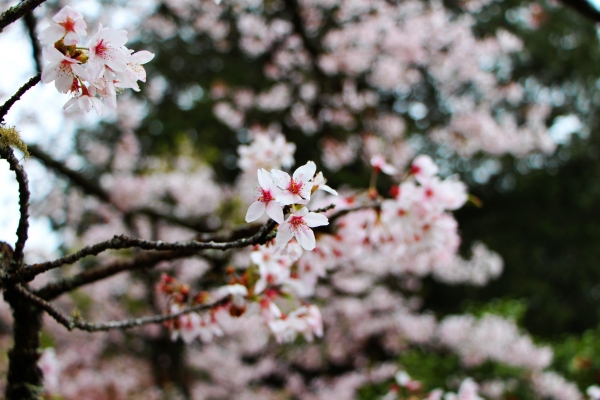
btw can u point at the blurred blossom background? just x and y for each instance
(502, 94)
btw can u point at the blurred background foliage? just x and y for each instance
(540, 213)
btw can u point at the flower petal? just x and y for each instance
(314, 219)
(255, 211)
(284, 234)
(306, 237)
(306, 172)
(275, 211)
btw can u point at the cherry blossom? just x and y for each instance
(266, 201)
(298, 225)
(297, 188)
(62, 68)
(186, 326)
(134, 71)
(107, 49)
(379, 164)
(306, 320)
(69, 26)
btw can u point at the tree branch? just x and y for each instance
(31, 22)
(10, 102)
(55, 289)
(73, 323)
(24, 194)
(125, 242)
(18, 11)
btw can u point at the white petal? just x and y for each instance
(314, 219)
(306, 172)
(264, 178)
(328, 190)
(255, 211)
(284, 235)
(281, 179)
(275, 211)
(306, 237)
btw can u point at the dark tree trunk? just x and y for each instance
(24, 376)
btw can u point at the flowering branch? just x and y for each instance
(18, 11)
(9, 103)
(72, 323)
(7, 154)
(124, 242)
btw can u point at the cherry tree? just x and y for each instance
(175, 282)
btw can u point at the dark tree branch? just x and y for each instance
(124, 242)
(10, 102)
(73, 323)
(7, 154)
(55, 289)
(31, 22)
(18, 11)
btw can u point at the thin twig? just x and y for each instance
(24, 194)
(73, 323)
(9, 103)
(64, 285)
(18, 11)
(124, 242)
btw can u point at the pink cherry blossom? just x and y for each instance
(186, 326)
(306, 320)
(86, 101)
(266, 201)
(379, 164)
(134, 71)
(106, 49)
(423, 168)
(68, 24)
(62, 68)
(298, 225)
(297, 188)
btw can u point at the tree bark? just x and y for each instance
(25, 380)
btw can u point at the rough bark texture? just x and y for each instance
(24, 376)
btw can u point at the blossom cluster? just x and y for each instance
(277, 190)
(94, 74)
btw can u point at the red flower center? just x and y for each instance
(69, 25)
(265, 196)
(295, 187)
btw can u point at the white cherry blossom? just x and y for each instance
(266, 200)
(379, 164)
(69, 24)
(134, 71)
(62, 68)
(297, 188)
(298, 225)
(107, 49)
